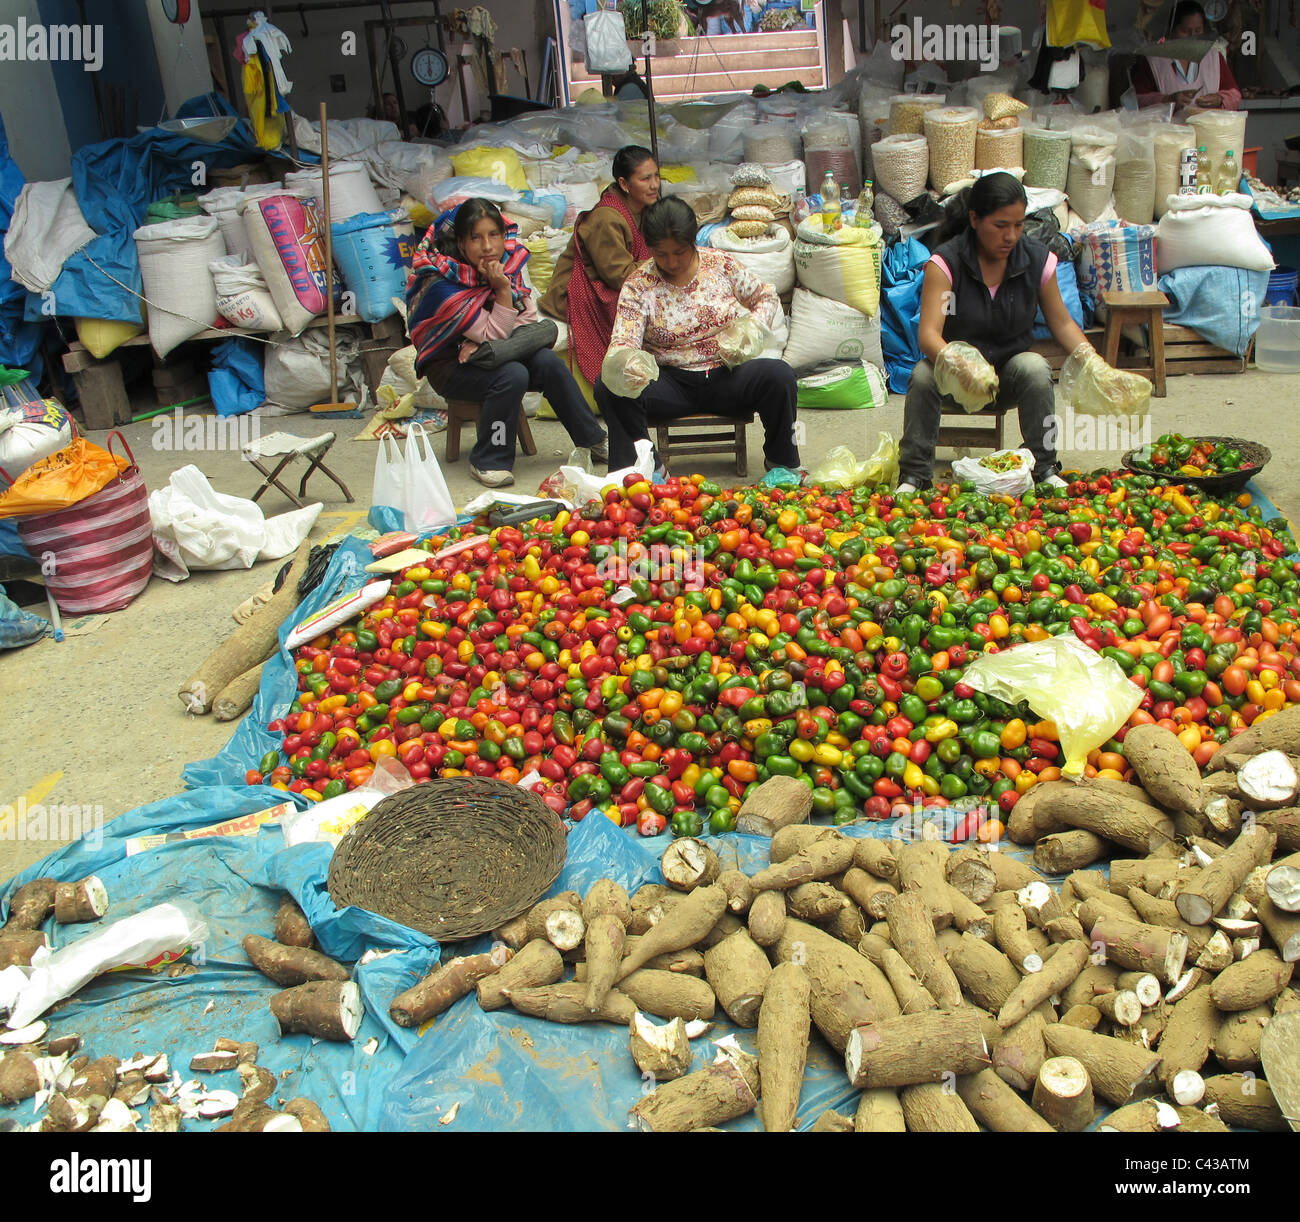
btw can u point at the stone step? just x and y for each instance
(688, 84)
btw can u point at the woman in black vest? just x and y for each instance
(984, 285)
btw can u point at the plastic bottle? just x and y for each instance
(1204, 178)
(832, 215)
(862, 213)
(1228, 178)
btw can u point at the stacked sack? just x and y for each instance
(755, 235)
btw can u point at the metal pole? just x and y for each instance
(396, 66)
(650, 101)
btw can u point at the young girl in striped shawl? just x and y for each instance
(467, 287)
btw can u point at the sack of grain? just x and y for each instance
(999, 148)
(1135, 176)
(907, 112)
(902, 164)
(951, 133)
(174, 258)
(1047, 157)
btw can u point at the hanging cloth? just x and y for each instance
(268, 125)
(272, 41)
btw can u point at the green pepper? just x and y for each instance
(869, 767)
(387, 690)
(1191, 682)
(895, 763)
(721, 819)
(985, 745)
(783, 765)
(963, 712)
(269, 763)
(685, 822)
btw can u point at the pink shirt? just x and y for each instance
(500, 321)
(1049, 270)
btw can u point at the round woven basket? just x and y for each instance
(454, 857)
(1253, 455)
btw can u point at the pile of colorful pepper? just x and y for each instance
(655, 655)
(1174, 455)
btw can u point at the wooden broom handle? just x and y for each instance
(329, 249)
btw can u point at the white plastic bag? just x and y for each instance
(987, 481)
(606, 43)
(584, 487)
(412, 482)
(962, 373)
(628, 371)
(134, 941)
(197, 527)
(242, 294)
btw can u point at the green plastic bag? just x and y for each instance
(853, 386)
(1088, 697)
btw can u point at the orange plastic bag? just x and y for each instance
(67, 476)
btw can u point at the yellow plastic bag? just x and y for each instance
(678, 173)
(1088, 697)
(839, 469)
(1071, 21)
(65, 477)
(102, 336)
(1093, 388)
(484, 161)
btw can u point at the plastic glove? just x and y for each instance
(628, 371)
(1093, 388)
(741, 340)
(962, 373)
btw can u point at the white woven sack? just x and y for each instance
(771, 258)
(174, 258)
(223, 203)
(242, 296)
(1210, 229)
(293, 270)
(351, 190)
(825, 330)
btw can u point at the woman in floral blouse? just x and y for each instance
(675, 307)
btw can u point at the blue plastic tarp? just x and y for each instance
(1067, 280)
(1219, 303)
(235, 380)
(115, 182)
(19, 340)
(901, 272)
(236, 883)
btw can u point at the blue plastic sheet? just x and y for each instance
(236, 883)
(235, 380)
(901, 272)
(115, 182)
(1220, 303)
(20, 340)
(18, 627)
(1067, 280)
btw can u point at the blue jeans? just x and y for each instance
(501, 392)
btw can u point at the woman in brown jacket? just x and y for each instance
(606, 248)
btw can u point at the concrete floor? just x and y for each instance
(95, 721)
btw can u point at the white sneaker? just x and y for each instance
(904, 489)
(493, 479)
(1056, 481)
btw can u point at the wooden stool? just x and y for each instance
(962, 436)
(287, 447)
(1127, 309)
(724, 435)
(462, 411)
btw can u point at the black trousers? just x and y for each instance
(763, 386)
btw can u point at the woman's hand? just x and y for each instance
(1210, 101)
(498, 281)
(1183, 97)
(467, 349)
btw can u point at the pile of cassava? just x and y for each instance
(963, 988)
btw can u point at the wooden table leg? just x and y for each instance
(1114, 326)
(1158, 352)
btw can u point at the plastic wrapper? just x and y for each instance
(1007, 473)
(741, 340)
(962, 373)
(839, 469)
(628, 371)
(135, 941)
(1088, 697)
(1093, 388)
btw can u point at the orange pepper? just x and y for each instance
(744, 771)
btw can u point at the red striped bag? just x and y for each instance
(97, 555)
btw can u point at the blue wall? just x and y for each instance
(129, 60)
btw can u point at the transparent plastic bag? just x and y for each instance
(742, 340)
(1093, 388)
(839, 469)
(962, 373)
(628, 371)
(1088, 697)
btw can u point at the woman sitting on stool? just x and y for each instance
(985, 286)
(466, 287)
(675, 307)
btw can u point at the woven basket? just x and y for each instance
(1253, 455)
(454, 857)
